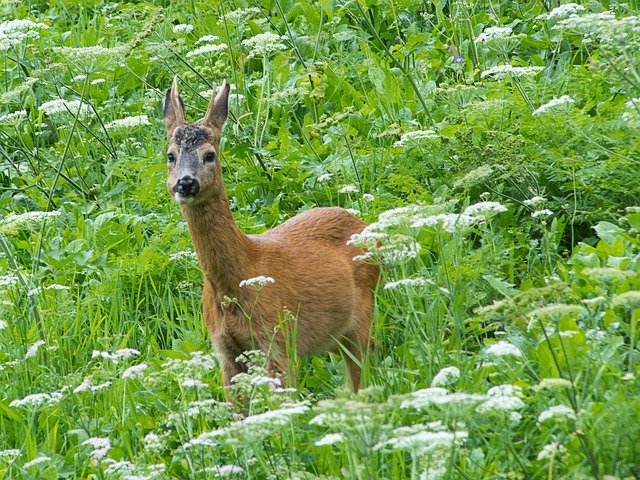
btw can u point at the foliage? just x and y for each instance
(493, 148)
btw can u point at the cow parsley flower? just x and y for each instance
(37, 461)
(329, 439)
(264, 44)
(224, 470)
(563, 11)
(349, 189)
(128, 122)
(14, 117)
(533, 201)
(501, 71)
(37, 400)
(503, 349)
(100, 446)
(483, 208)
(557, 411)
(446, 376)
(207, 39)
(14, 223)
(629, 300)
(207, 48)
(553, 384)
(493, 33)
(550, 450)
(122, 354)
(135, 371)
(10, 453)
(3, 325)
(58, 106)
(193, 383)
(324, 177)
(545, 212)
(33, 349)
(409, 282)
(553, 104)
(415, 137)
(91, 54)
(449, 222)
(259, 281)
(183, 28)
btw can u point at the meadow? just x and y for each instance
(493, 147)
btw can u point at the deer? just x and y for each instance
(312, 268)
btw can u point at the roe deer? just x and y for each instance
(315, 277)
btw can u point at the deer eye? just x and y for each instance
(209, 157)
(171, 157)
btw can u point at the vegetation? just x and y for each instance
(492, 145)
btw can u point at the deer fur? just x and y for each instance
(328, 294)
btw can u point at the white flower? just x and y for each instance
(259, 281)
(503, 349)
(329, 439)
(367, 197)
(100, 386)
(12, 452)
(500, 71)
(121, 467)
(193, 383)
(153, 443)
(627, 377)
(14, 117)
(418, 439)
(557, 411)
(54, 107)
(349, 189)
(224, 470)
(482, 208)
(15, 223)
(545, 212)
(183, 28)
(37, 461)
(206, 39)
(449, 222)
(492, 33)
(553, 104)
(563, 11)
(37, 400)
(553, 383)
(79, 78)
(33, 349)
(550, 450)
(411, 282)
(264, 44)
(98, 81)
(101, 447)
(3, 325)
(128, 122)
(414, 137)
(123, 353)
(440, 396)
(95, 52)
(324, 177)
(272, 382)
(135, 371)
(207, 48)
(534, 201)
(242, 13)
(446, 376)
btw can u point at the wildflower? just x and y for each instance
(224, 470)
(183, 28)
(628, 300)
(556, 411)
(503, 349)
(100, 386)
(33, 349)
(271, 382)
(37, 461)
(207, 48)
(627, 377)
(415, 136)
(14, 223)
(502, 398)
(501, 71)
(11, 452)
(98, 81)
(259, 281)
(534, 201)
(446, 376)
(135, 371)
(556, 311)
(123, 353)
(420, 440)
(329, 439)
(242, 13)
(264, 44)
(183, 255)
(553, 104)
(13, 32)
(3, 325)
(14, 117)
(367, 197)
(608, 274)
(193, 383)
(449, 222)
(544, 212)
(37, 400)
(563, 11)
(439, 396)
(55, 107)
(100, 446)
(207, 39)
(349, 189)
(550, 450)
(553, 384)
(79, 78)
(121, 467)
(96, 52)
(8, 280)
(482, 208)
(128, 122)
(153, 443)
(493, 33)
(409, 282)
(458, 59)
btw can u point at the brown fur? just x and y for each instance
(329, 294)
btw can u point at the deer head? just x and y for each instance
(193, 156)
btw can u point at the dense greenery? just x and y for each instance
(494, 145)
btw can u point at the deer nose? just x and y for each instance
(187, 186)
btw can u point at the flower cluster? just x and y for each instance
(264, 44)
(493, 33)
(128, 122)
(502, 71)
(58, 106)
(415, 137)
(554, 104)
(260, 281)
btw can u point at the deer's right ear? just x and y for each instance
(173, 108)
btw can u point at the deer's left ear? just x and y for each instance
(173, 108)
(218, 108)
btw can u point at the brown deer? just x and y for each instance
(329, 295)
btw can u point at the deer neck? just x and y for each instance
(223, 251)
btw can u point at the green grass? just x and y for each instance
(507, 337)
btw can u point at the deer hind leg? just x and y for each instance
(358, 341)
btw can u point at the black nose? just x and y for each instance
(187, 186)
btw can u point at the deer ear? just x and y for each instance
(218, 108)
(173, 108)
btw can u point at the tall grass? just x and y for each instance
(493, 146)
